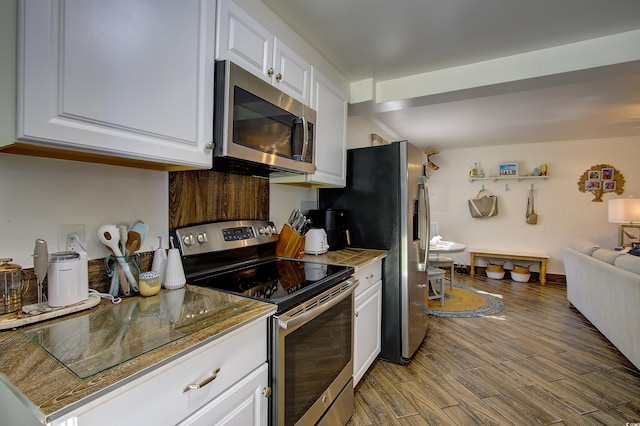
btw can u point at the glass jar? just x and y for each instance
(10, 286)
(149, 283)
(124, 273)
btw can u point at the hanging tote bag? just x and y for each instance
(532, 217)
(484, 205)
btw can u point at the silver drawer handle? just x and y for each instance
(203, 383)
(369, 277)
(266, 392)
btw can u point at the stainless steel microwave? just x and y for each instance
(258, 128)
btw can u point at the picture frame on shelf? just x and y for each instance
(509, 169)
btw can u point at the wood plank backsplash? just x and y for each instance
(207, 195)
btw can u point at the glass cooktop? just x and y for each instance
(283, 282)
(92, 343)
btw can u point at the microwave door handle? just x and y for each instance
(305, 139)
(294, 138)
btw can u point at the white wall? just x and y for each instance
(564, 213)
(39, 194)
(359, 130)
(284, 198)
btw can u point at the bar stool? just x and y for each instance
(436, 276)
(443, 262)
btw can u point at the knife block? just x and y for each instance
(290, 243)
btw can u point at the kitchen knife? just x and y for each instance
(297, 225)
(292, 217)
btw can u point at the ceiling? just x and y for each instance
(385, 40)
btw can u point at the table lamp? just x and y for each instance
(626, 212)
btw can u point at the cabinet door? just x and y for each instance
(331, 134)
(368, 320)
(331, 137)
(242, 40)
(291, 72)
(123, 79)
(244, 404)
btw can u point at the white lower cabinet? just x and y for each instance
(244, 404)
(228, 374)
(368, 321)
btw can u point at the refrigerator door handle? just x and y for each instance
(423, 264)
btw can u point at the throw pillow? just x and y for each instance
(607, 255)
(584, 246)
(629, 263)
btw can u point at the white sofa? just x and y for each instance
(604, 285)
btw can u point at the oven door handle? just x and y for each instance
(287, 322)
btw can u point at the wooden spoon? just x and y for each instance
(133, 242)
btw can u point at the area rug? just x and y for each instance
(464, 302)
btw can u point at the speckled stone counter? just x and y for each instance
(50, 388)
(354, 257)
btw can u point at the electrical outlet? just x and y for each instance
(66, 242)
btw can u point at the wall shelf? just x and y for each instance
(497, 178)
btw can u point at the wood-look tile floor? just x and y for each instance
(538, 362)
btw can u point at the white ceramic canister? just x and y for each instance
(68, 278)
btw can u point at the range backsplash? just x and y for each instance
(194, 197)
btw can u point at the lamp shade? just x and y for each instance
(624, 210)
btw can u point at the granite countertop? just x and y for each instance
(355, 257)
(53, 389)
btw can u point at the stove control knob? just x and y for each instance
(264, 230)
(273, 229)
(188, 240)
(202, 238)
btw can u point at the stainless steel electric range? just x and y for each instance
(311, 334)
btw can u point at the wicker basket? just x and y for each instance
(495, 268)
(495, 272)
(520, 269)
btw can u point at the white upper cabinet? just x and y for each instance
(242, 40)
(291, 72)
(250, 45)
(331, 137)
(120, 79)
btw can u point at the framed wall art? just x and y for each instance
(594, 174)
(601, 179)
(509, 169)
(591, 185)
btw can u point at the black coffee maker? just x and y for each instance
(333, 222)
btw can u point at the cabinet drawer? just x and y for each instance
(160, 397)
(368, 275)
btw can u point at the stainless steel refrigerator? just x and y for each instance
(386, 203)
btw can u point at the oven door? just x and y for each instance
(312, 358)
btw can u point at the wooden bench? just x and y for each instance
(497, 254)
